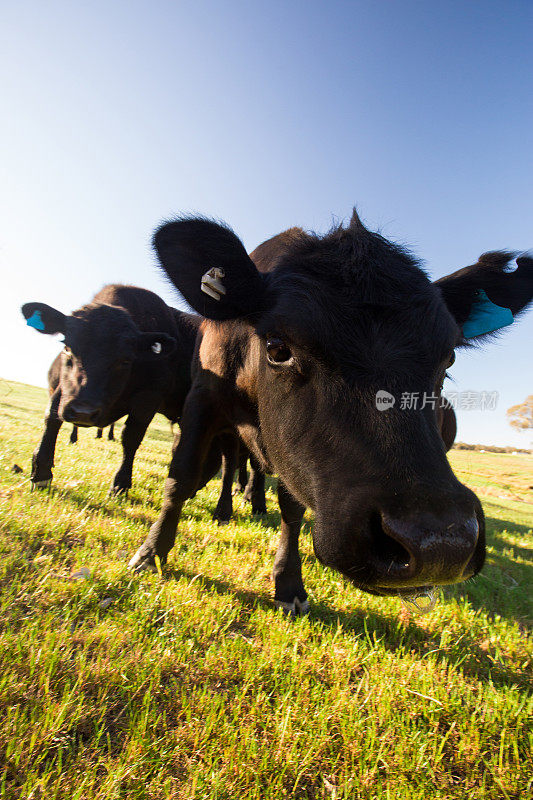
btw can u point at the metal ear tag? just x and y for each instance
(211, 283)
(156, 348)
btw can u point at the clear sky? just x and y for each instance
(116, 115)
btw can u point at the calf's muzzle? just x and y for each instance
(79, 413)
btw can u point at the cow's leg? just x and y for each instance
(198, 426)
(132, 435)
(43, 456)
(230, 451)
(289, 592)
(111, 432)
(99, 432)
(255, 488)
(74, 434)
(242, 479)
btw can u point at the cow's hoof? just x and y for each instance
(41, 484)
(119, 491)
(222, 519)
(298, 608)
(142, 562)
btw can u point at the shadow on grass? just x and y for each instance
(112, 511)
(496, 538)
(503, 585)
(500, 589)
(378, 629)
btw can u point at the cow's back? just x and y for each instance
(147, 309)
(151, 314)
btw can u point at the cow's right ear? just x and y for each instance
(486, 297)
(43, 318)
(209, 265)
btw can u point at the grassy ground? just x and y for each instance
(193, 686)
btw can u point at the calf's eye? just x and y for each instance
(68, 357)
(277, 351)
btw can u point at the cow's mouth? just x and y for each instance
(401, 592)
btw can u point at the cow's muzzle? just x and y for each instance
(424, 551)
(83, 414)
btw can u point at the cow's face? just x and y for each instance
(102, 348)
(342, 321)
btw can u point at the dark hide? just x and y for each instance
(126, 354)
(511, 290)
(54, 374)
(252, 487)
(294, 358)
(447, 422)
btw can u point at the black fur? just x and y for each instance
(109, 370)
(354, 314)
(509, 289)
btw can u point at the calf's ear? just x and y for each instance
(209, 265)
(155, 345)
(486, 297)
(43, 318)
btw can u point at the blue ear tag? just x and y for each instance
(35, 321)
(485, 317)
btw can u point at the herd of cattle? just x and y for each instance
(281, 364)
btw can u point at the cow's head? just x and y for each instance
(340, 319)
(103, 346)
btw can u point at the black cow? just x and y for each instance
(54, 374)
(110, 433)
(251, 486)
(126, 353)
(301, 337)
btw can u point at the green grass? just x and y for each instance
(193, 686)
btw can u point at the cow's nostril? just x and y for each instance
(423, 550)
(391, 552)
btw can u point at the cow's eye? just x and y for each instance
(278, 352)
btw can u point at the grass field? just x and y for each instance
(191, 685)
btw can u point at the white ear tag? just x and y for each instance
(211, 283)
(156, 348)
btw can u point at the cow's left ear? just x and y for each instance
(155, 345)
(209, 265)
(44, 318)
(486, 296)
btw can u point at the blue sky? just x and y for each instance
(266, 114)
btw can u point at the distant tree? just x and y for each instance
(521, 416)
